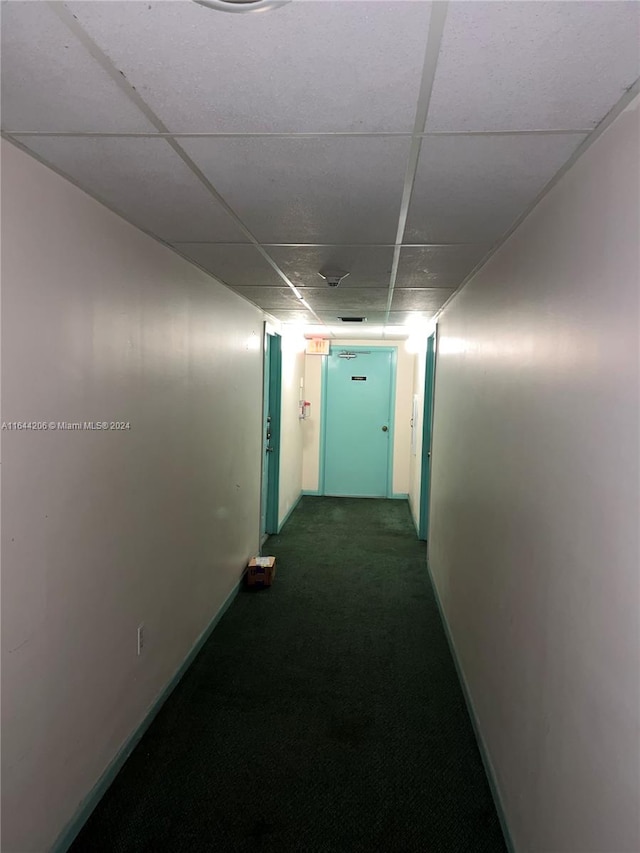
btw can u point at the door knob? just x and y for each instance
(385, 429)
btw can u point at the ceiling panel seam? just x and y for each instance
(329, 245)
(632, 92)
(437, 19)
(106, 134)
(103, 60)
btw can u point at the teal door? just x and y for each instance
(272, 392)
(358, 425)
(427, 433)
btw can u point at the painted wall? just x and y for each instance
(104, 530)
(402, 436)
(292, 433)
(534, 539)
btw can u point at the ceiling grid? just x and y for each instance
(264, 166)
(72, 23)
(432, 52)
(338, 134)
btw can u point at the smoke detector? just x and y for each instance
(241, 5)
(333, 277)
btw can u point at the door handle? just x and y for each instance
(385, 429)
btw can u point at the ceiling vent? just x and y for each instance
(241, 5)
(353, 319)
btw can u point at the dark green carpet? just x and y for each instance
(323, 714)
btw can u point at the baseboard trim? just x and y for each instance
(290, 510)
(398, 496)
(88, 804)
(484, 754)
(414, 519)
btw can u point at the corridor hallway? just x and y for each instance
(323, 714)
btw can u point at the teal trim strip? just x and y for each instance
(484, 754)
(275, 406)
(317, 493)
(290, 510)
(365, 497)
(399, 496)
(264, 470)
(88, 804)
(427, 432)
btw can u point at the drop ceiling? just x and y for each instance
(398, 141)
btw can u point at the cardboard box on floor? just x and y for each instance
(261, 572)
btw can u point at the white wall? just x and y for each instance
(534, 526)
(292, 433)
(105, 530)
(402, 425)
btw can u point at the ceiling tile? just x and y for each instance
(420, 299)
(395, 318)
(294, 316)
(357, 299)
(533, 65)
(271, 298)
(373, 317)
(438, 266)
(395, 322)
(236, 265)
(328, 190)
(50, 81)
(368, 266)
(143, 179)
(470, 189)
(308, 67)
(401, 318)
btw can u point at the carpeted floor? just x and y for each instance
(323, 714)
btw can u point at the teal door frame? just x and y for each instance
(427, 434)
(392, 411)
(272, 407)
